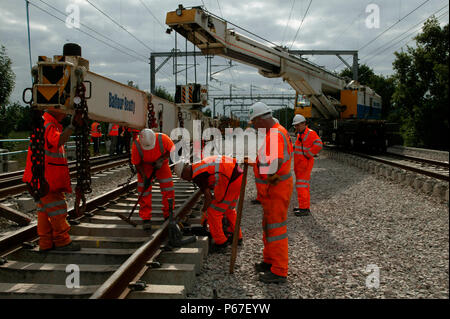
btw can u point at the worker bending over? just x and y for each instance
(52, 226)
(223, 175)
(150, 153)
(275, 184)
(307, 145)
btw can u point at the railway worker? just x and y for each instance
(113, 132)
(275, 184)
(151, 151)
(307, 145)
(96, 133)
(223, 176)
(52, 226)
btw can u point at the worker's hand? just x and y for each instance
(273, 179)
(158, 163)
(147, 182)
(77, 119)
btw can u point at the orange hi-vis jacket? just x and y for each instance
(164, 175)
(220, 169)
(56, 168)
(226, 192)
(307, 145)
(114, 130)
(95, 130)
(275, 199)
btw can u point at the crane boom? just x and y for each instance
(212, 36)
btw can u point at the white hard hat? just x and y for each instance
(178, 168)
(258, 109)
(147, 138)
(298, 119)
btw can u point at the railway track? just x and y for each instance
(11, 183)
(431, 168)
(117, 260)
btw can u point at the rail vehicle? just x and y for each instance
(343, 112)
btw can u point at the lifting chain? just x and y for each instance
(38, 186)
(82, 151)
(151, 119)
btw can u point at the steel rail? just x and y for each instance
(117, 283)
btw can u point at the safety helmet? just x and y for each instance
(298, 119)
(258, 109)
(147, 138)
(178, 167)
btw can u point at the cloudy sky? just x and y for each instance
(117, 36)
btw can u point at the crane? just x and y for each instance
(343, 108)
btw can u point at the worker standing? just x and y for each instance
(307, 145)
(113, 132)
(223, 176)
(96, 133)
(52, 226)
(275, 184)
(149, 152)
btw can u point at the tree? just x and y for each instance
(420, 100)
(162, 93)
(7, 77)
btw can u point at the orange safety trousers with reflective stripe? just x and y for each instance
(306, 146)
(275, 201)
(220, 169)
(52, 227)
(163, 175)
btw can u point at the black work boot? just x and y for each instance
(69, 247)
(270, 278)
(219, 248)
(262, 267)
(146, 225)
(255, 202)
(302, 212)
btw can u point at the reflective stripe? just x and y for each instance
(57, 212)
(48, 124)
(201, 167)
(302, 181)
(140, 184)
(146, 193)
(275, 238)
(166, 180)
(260, 181)
(301, 186)
(285, 176)
(301, 148)
(55, 154)
(306, 136)
(160, 141)
(276, 225)
(167, 189)
(227, 202)
(217, 208)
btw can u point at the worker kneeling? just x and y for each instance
(275, 185)
(149, 154)
(222, 175)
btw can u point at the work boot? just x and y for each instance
(219, 248)
(262, 267)
(69, 247)
(146, 224)
(255, 202)
(302, 212)
(270, 278)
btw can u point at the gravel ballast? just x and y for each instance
(361, 225)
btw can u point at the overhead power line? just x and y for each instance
(301, 23)
(119, 25)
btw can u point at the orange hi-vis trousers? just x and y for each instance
(302, 181)
(52, 226)
(164, 177)
(216, 211)
(275, 203)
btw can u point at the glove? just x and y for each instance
(147, 183)
(158, 163)
(77, 119)
(273, 179)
